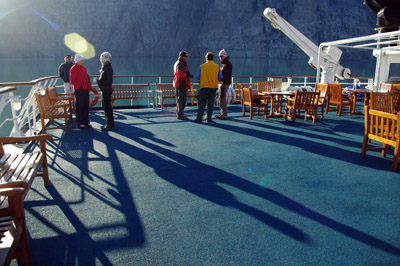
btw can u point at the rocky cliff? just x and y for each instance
(30, 28)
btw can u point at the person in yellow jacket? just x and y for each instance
(209, 74)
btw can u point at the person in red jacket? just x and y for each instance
(80, 80)
(181, 84)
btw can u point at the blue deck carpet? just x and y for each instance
(159, 191)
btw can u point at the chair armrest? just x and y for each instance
(12, 192)
(14, 184)
(65, 94)
(61, 98)
(55, 105)
(41, 137)
(290, 99)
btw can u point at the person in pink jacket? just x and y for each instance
(80, 80)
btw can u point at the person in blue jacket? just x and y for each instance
(63, 71)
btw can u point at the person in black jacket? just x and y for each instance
(105, 84)
(224, 83)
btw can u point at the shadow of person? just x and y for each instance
(202, 180)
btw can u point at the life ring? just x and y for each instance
(96, 96)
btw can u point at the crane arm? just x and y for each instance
(329, 58)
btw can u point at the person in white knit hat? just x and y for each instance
(224, 83)
(80, 80)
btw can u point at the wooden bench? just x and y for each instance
(302, 101)
(167, 91)
(131, 92)
(52, 111)
(17, 174)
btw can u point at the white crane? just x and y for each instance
(329, 58)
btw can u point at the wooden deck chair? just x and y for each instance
(51, 111)
(395, 88)
(381, 101)
(265, 86)
(62, 98)
(395, 101)
(385, 87)
(303, 101)
(240, 86)
(382, 127)
(323, 93)
(13, 231)
(337, 100)
(248, 99)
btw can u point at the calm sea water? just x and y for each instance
(26, 69)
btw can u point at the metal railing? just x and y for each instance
(21, 118)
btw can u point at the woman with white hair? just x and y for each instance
(105, 84)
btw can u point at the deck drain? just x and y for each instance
(76, 154)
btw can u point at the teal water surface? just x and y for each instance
(26, 69)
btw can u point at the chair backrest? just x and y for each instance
(336, 94)
(167, 89)
(247, 96)
(395, 88)
(385, 87)
(381, 101)
(395, 101)
(305, 99)
(323, 91)
(42, 100)
(265, 86)
(52, 92)
(253, 86)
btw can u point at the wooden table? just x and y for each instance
(367, 94)
(276, 100)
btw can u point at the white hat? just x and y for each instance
(78, 58)
(223, 53)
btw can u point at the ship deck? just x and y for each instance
(159, 191)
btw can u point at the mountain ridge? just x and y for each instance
(163, 28)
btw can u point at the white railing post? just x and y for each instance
(16, 131)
